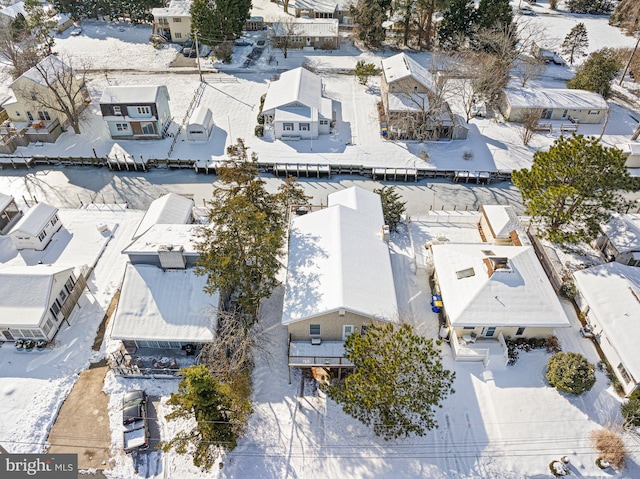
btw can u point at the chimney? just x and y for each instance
(386, 235)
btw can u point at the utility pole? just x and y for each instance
(195, 35)
(626, 68)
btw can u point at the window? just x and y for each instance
(30, 116)
(69, 285)
(314, 330)
(520, 331)
(42, 236)
(147, 128)
(117, 110)
(143, 110)
(304, 127)
(324, 122)
(287, 126)
(363, 330)
(177, 35)
(491, 330)
(54, 220)
(469, 327)
(62, 295)
(122, 126)
(44, 116)
(594, 112)
(624, 373)
(176, 20)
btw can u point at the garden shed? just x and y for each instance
(200, 124)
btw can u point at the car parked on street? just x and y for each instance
(134, 421)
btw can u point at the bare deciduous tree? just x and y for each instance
(65, 88)
(18, 50)
(527, 68)
(530, 118)
(282, 35)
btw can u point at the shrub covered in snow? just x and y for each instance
(571, 373)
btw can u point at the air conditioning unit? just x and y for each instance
(316, 341)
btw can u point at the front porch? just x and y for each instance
(488, 350)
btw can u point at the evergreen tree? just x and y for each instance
(494, 14)
(590, 6)
(220, 20)
(597, 73)
(398, 381)
(457, 24)
(239, 250)
(631, 410)
(575, 43)
(364, 71)
(40, 23)
(392, 207)
(369, 15)
(423, 20)
(218, 424)
(570, 373)
(572, 188)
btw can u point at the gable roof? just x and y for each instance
(502, 220)
(23, 303)
(338, 260)
(12, 11)
(168, 209)
(401, 66)
(554, 98)
(5, 200)
(519, 295)
(185, 235)
(157, 305)
(325, 27)
(176, 8)
(612, 291)
(297, 86)
(47, 68)
(35, 219)
(132, 94)
(623, 232)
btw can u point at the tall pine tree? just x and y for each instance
(494, 14)
(575, 43)
(369, 15)
(457, 24)
(217, 21)
(572, 188)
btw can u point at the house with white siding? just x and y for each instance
(36, 228)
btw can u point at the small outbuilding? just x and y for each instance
(9, 213)
(631, 152)
(200, 124)
(36, 228)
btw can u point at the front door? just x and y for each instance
(347, 330)
(490, 331)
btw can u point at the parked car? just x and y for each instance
(134, 421)
(75, 31)
(189, 52)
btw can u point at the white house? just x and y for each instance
(306, 33)
(168, 209)
(500, 225)
(609, 296)
(35, 300)
(631, 152)
(168, 246)
(200, 124)
(9, 212)
(295, 107)
(620, 239)
(36, 228)
(339, 277)
(174, 21)
(580, 106)
(488, 289)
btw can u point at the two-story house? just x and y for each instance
(173, 22)
(136, 112)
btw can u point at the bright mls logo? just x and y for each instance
(46, 466)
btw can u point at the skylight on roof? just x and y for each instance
(465, 273)
(488, 252)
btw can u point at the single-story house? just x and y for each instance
(322, 9)
(500, 225)
(63, 21)
(168, 209)
(631, 151)
(339, 277)
(579, 106)
(168, 246)
(138, 112)
(36, 228)
(295, 107)
(165, 309)
(491, 289)
(36, 299)
(620, 239)
(9, 213)
(608, 295)
(200, 124)
(174, 21)
(411, 103)
(306, 33)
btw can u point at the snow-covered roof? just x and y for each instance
(132, 94)
(629, 149)
(401, 66)
(49, 68)
(168, 209)
(338, 260)
(200, 116)
(297, 87)
(302, 27)
(157, 305)
(623, 232)
(165, 234)
(321, 6)
(612, 291)
(518, 294)
(25, 293)
(408, 101)
(12, 11)
(176, 8)
(5, 200)
(502, 220)
(118, 153)
(35, 219)
(554, 98)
